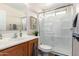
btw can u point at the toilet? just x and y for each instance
(45, 49)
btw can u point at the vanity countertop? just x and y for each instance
(9, 42)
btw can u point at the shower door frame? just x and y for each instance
(52, 10)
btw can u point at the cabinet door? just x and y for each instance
(19, 50)
(33, 44)
(14, 51)
(25, 50)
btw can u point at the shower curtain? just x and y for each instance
(56, 31)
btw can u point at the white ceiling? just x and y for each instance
(36, 7)
(18, 6)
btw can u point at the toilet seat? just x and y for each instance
(45, 48)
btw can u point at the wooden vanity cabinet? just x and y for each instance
(33, 45)
(15, 50)
(23, 49)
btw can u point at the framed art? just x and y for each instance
(33, 23)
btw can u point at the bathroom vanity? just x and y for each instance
(19, 47)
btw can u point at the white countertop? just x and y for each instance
(9, 42)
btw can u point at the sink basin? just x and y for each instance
(19, 38)
(23, 37)
(4, 40)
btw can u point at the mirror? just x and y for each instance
(19, 24)
(12, 21)
(17, 17)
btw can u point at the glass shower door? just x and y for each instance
(63, 38)
(56, 32)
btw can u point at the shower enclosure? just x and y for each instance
(55, 29)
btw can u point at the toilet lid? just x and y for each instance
(45, 47)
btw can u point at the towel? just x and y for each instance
(76, 27)
(75, 21)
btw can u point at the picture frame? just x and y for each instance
(33, 23)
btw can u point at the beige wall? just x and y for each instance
(30, 13)
(12, 15)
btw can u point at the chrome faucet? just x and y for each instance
(15, 35)
(20, 34)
